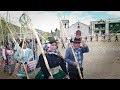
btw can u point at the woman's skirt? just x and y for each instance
(9, 60)
(60, 75)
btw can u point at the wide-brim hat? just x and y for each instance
(51, 39)
(76, 40)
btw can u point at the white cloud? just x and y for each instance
(43, 20)
(13, 16)
(2, 13)
(115, 13)
(48, 20)
(87, 19)
(73, 18)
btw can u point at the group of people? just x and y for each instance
(20, 55)
(104, 38)
(58, 66)
(57, 62)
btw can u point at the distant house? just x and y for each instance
(105, 26)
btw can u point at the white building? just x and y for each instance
(71, 30)
(105, 26)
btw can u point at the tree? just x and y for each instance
(46, 37)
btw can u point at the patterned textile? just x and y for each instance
(8, 61)
(20, 71)
(78, 56)
(56, 52)
(60, 75)
(27, 54)
(47, 49)
(55, 70)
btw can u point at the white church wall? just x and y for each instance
(74, 27)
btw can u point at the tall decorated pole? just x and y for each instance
(17, 50)
(41, 47)
(2, 30)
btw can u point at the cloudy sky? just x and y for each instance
(49, 20)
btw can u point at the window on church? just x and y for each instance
(78, 26)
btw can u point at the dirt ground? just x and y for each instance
(101, 62)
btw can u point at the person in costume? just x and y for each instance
(26, 55)
(56, 63)
(7, 54)
(47, 44)
(69, 57)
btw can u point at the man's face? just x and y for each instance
(76, 45)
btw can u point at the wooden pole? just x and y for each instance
(19, 52)
(43, 53)
(2, 31)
